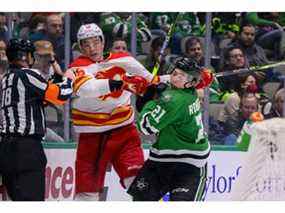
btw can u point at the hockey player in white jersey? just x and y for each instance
(102, 113)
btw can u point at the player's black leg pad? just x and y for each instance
(147, 185)
(187, 185)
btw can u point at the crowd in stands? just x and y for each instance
(239, 40)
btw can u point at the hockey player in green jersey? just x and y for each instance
(178, 159)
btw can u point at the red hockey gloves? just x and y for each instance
(135, 84)
(207, 78)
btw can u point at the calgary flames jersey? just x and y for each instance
(95, 108)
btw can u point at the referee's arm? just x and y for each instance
(60, 92)
(55, 93)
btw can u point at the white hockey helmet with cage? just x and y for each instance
(88, 31)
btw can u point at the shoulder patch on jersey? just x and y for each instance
(166, 96)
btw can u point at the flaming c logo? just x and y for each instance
(114, 73)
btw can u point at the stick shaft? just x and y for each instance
(250, 69)
(164, 45)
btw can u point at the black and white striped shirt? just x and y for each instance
(23, 95)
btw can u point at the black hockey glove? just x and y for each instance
(56, 78)
(160, 88)
(152, 92)
(115, 85)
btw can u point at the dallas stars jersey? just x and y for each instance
(114, 26)
(245, 136)
(176, 118)
(188, 23)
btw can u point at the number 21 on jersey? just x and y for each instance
(157, 113)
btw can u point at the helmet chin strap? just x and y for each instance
(191, 81)
(190, 84)
(186, 85)
(31, 60)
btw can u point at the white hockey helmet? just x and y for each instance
(89, 31)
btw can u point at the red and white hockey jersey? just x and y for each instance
(95, 108)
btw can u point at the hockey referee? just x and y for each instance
(25, 91)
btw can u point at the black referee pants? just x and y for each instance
(23, 163)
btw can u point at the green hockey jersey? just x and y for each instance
(188, 23)
(177, 120)
(244, 138)
(114, 26)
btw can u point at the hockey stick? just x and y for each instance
(165, 43)
(247, 70)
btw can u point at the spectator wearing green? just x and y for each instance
(151, 59)
(188, 24)
(161, 21)
(118, 25)
(224, 26)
